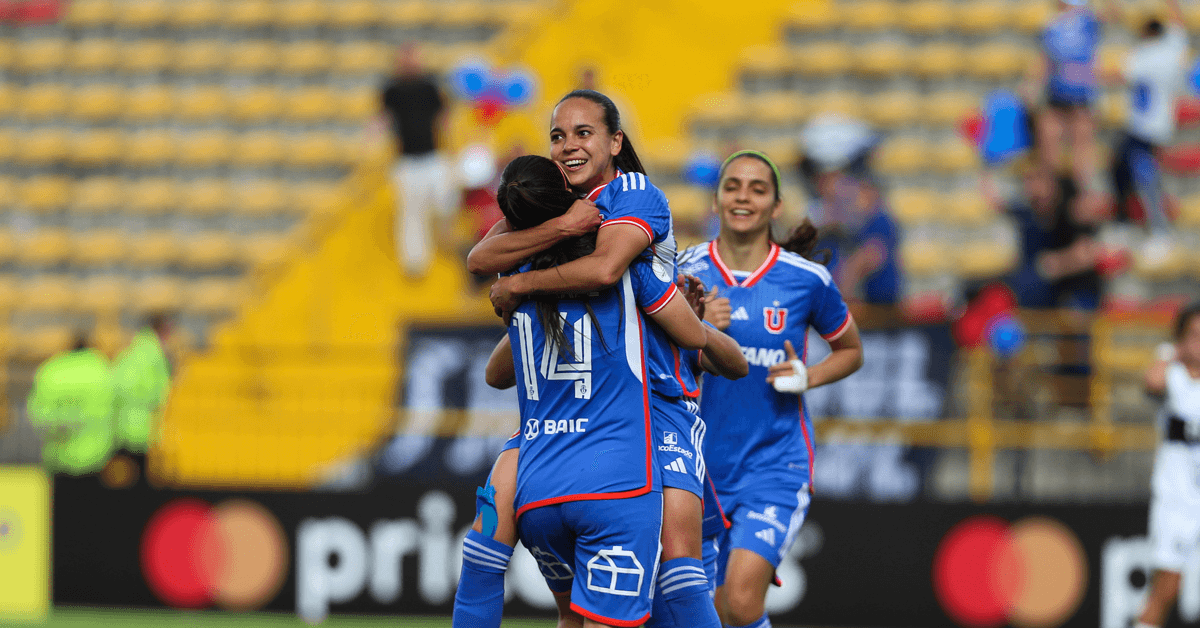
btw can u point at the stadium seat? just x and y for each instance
(361, 57)
(46, 293)
(770, 60)
(149, 56)
(97, 147)
(966, 208)
(253, 57)
(97, 103)
(808, 18)
(846, 103)
(310, 104)
(249, 14)
(205, 149)
(94, 55)
(1189, 212)
(149, 103)
(44, 247)
(441, 59)
(938, 60)
(720, 110)
(920, 257)
(911, 206)
(205, 197)
(317, 197)
(151, 195)
(301, 14)
(8, 100)
(99, 247)
(305, 57)
(9, 286)
(1110, 60)
(1031, 16)
(783, 149)
(39, 57)
(666, 156)
(103, 294)
(90, 14)
(262, 196)
(949, 108)
(143, 14)
(893, 109)
(956, 156)
(778, 109)
(689, 203)
(264, 251)
(152, 148)
(984, 17)
(882, 60)
(157, 294)
(46, 146)
(198, 56)
(8, 52)
(927, 17)
(824, 59)
(153, 249)
(318, 150)
(408, 15)
(8, 190)
(214, 296)
(901, 156)
(1112, 109)
(984, 259)
(43, 101)
(357, 105)
(257, 104)
(208, 251)
(97, 194)
(201, 103)
(44, 194)
(41, 342)
(996, 61)
(355, 13)
(1167, 265)
(196, 14)
(258, 149)
(870, 15)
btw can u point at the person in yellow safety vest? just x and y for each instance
(71, 406)
(143, 379)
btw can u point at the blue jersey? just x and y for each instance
(1070, 42)
(585, 409)
(755, 433)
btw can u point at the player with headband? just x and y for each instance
(759, 447)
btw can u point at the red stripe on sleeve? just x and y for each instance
(837, 333)
(662, 301)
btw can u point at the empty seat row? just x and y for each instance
(102, 102)
(972, 17)
(156, 195)
(990, 61)
(964, 207)
(208, 55)
(51, 293)
(157, 149)
(886, 109)
(106, 248)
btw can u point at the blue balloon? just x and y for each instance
(703, 170)
(470, 81)
(1005, 133)
(1005, 335)
(516, 89)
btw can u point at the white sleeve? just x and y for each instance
(1177, 39)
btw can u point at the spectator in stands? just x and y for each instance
(71, 407)
(1059, 253)
(861, 236)
(423, 179)
(1154, 73)
(1066, 79)
(142, 377)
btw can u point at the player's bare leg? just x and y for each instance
(1164, 587)
(683, 513)
(567, 618)
(504, 480)
(741, 601)
(479, 597)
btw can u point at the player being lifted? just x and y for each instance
(759, 447)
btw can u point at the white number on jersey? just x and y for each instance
(553, 367)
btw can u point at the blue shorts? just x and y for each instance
(679, 443)
(710, 552)
(603, 552)
(765, 521)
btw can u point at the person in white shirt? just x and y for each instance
(1154, 74)
(1175, 487)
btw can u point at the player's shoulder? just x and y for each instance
(693, 260)
(633, 187)
(802, 269)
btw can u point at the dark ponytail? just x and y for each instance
(803, 238)
(532, 191)
(1184, 318)
(627, 160)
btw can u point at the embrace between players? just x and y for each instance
(637, 510)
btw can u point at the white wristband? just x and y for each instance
(795, 383)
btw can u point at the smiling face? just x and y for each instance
(746, 199)
(582, 144)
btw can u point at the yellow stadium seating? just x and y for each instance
(144, 14)
(1189, 212)
(214, 296)
(98, 147)
(205, 149)
(1031, 16)
(902, 156)
(463, 14)
(209, 251)
(264, 251)
(922, 257)
(956, 156)
(950, 107)
(307, 57)
(98, 194)
(355, 13)
(146, 55)
(870, 15)
(767, 59)
(893, 109)
(258, 148)
(262, 196)
(46, 146)
(668, 156)
(94, 55)
(984, 17)
(927, 17)
(196, 14)
(781, 109)
(97, 103)
(1111, 59)
(46, 293)
(719, 110)
(1113, 108)
(103, 294)
(44, 247)
(808, 17)
(148, 103)
(357, 105)
(843, 102)
(938, 60)
(201, 103)
(253, 56)
(310, 104)
(912, 206)
(257, 104)
(45, 193)
(206, 196)
(982, 259)
(824, 59)
(41, 342)
(8, 100)
(8, 188)
(151, 195)
(966, 208)
(42, 56)
(361, 57)
(150, 148)
(318, 197)
(9, 288)
(201, 55)
(86, 14)
(997, 61)
(409, 14)
(314, 150)
(302, 14)
(157, 294)
(249, 14)
(99, 247)
(882, 60)
(8, 52)
(1166, 265)
(43, 101)
(689, 203)
(153, 249)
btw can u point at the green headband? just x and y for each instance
(762, 156)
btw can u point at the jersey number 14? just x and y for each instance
(554, 365)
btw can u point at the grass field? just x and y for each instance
(121, 618)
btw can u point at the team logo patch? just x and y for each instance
(550, 566)
(670, 438)
(532, 428)
(739, 314)
(775, 319)
(615, 571)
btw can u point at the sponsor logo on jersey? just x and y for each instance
(550, 427)
(766, 535)
(532, 427)
(775, 319)
(550, 566)
(691, 268)
(768, 516)
(675, 449)
(739, 314)
(758, 356)
(676, 465)
(670, 438)
(615, 571)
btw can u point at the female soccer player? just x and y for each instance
(759, 447)
(599, 160)
(529, 193)
(1175, 506)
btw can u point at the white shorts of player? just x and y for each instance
(1175, 505)
(426, 189)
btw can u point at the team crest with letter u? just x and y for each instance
(775, 319)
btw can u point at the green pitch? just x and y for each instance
(123, 618)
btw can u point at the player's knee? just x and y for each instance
(744, 605)
(681, 532)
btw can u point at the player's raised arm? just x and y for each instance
(503, 248)
(500, 372)
(722, 353)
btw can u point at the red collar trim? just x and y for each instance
(595, 193)
(754, 277)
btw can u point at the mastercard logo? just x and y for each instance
(195, 555)
(1030, 574)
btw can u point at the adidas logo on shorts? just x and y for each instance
(739, 315)
(676, 465)
(767, 536)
